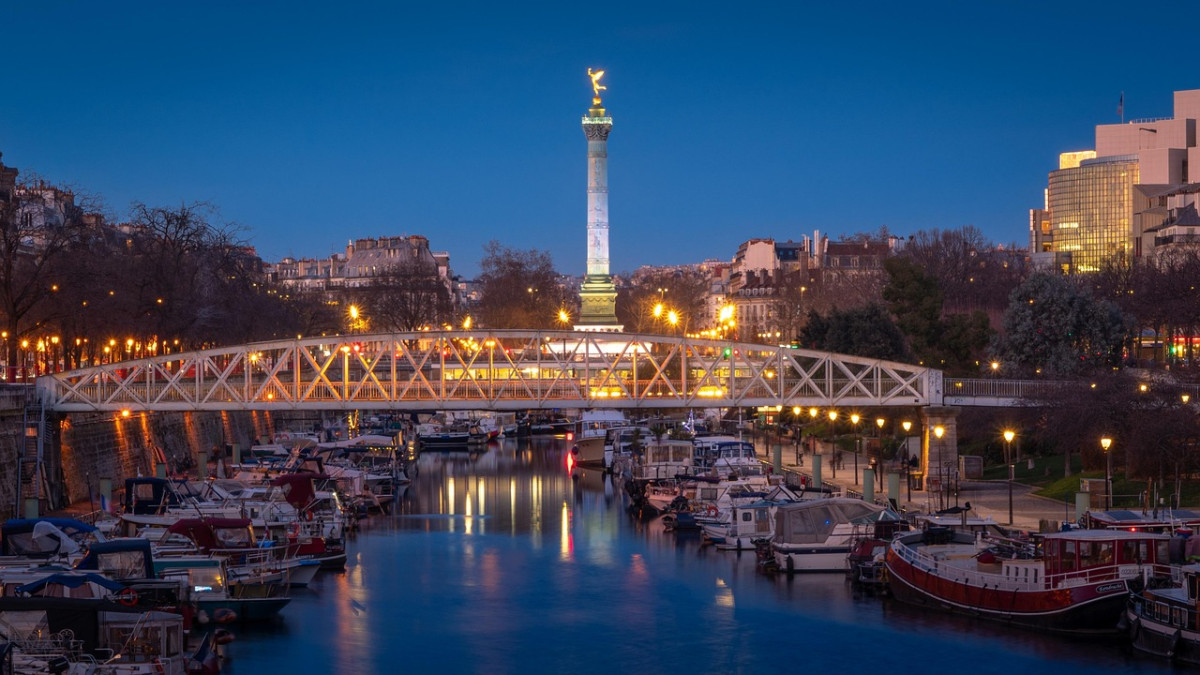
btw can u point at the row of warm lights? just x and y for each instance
(855, 418)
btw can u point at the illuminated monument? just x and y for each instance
(598, 295)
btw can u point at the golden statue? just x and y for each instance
(596, 86)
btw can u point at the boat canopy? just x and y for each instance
(813, 521)
(43, 537)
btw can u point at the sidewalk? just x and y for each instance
(987, 498)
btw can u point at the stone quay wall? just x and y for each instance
(80, 449)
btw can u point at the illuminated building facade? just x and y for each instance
(1100, 204)
(1091, 212)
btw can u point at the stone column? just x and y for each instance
(939, 456)
(598, 294)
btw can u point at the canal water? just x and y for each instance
(500, 562)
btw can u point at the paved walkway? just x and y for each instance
(987, 498)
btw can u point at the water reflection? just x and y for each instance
(501, 562)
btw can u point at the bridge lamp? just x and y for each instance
(467, 322)
(879, 422)
(658, 310)
(564, 317)
(1186, 398)
(833, 415)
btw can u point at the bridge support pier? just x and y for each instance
(939, 452)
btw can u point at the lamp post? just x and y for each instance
(879, 422)
(907, 460)
(938, 431)
(854, 418)
(1106, 443)
(833, 437)
(796, 432)
(1008, 436)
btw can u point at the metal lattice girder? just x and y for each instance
(496, 370)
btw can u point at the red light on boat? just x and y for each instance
(570, 435)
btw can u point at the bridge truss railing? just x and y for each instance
(491, 370)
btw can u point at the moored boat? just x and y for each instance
(591, 431)
(1164, 619)
(816, 535)
(1073, 582)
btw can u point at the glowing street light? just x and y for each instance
(854, 419)
(1106, 443)
(833, 415)
(939, 431)
(1009, 434)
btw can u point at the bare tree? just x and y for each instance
(407, 296)
(39, 223)
(518, 289)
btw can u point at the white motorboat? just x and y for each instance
(591, 432)
(816, 535)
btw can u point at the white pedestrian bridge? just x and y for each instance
(492, 370)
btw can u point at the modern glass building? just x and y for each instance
(1091, 212)
(1099, 203)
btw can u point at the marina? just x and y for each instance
(501, 557)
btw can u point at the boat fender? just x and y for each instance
(308, 515)
(791, 565)
(712, 511)
(1135, 628)
(201, 617)
(1174, 643)
(127, 597)
(223, 637)
(224, 615)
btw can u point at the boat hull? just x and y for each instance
(1088, 608)
(815, 559)
(246, 609)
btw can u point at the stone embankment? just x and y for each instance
(80, 449)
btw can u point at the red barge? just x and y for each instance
(1071, 582)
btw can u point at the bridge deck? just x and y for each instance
(491, 370)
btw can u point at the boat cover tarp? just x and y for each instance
(812, 522)
(70, 581)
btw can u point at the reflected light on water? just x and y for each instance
(354, 646)
(512, 505)
(724, 594)
(535, 516)
(566, 544)
(468, 521)
(481, 496)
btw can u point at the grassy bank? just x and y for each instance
(1046, 474)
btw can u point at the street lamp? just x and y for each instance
(796, 431)
(938, 431)
(833, 437)
(1106, 442)
(907, 426)
(1008, 437)
(854, 418)
(879, 422)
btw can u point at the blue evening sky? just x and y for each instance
(309, 124)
